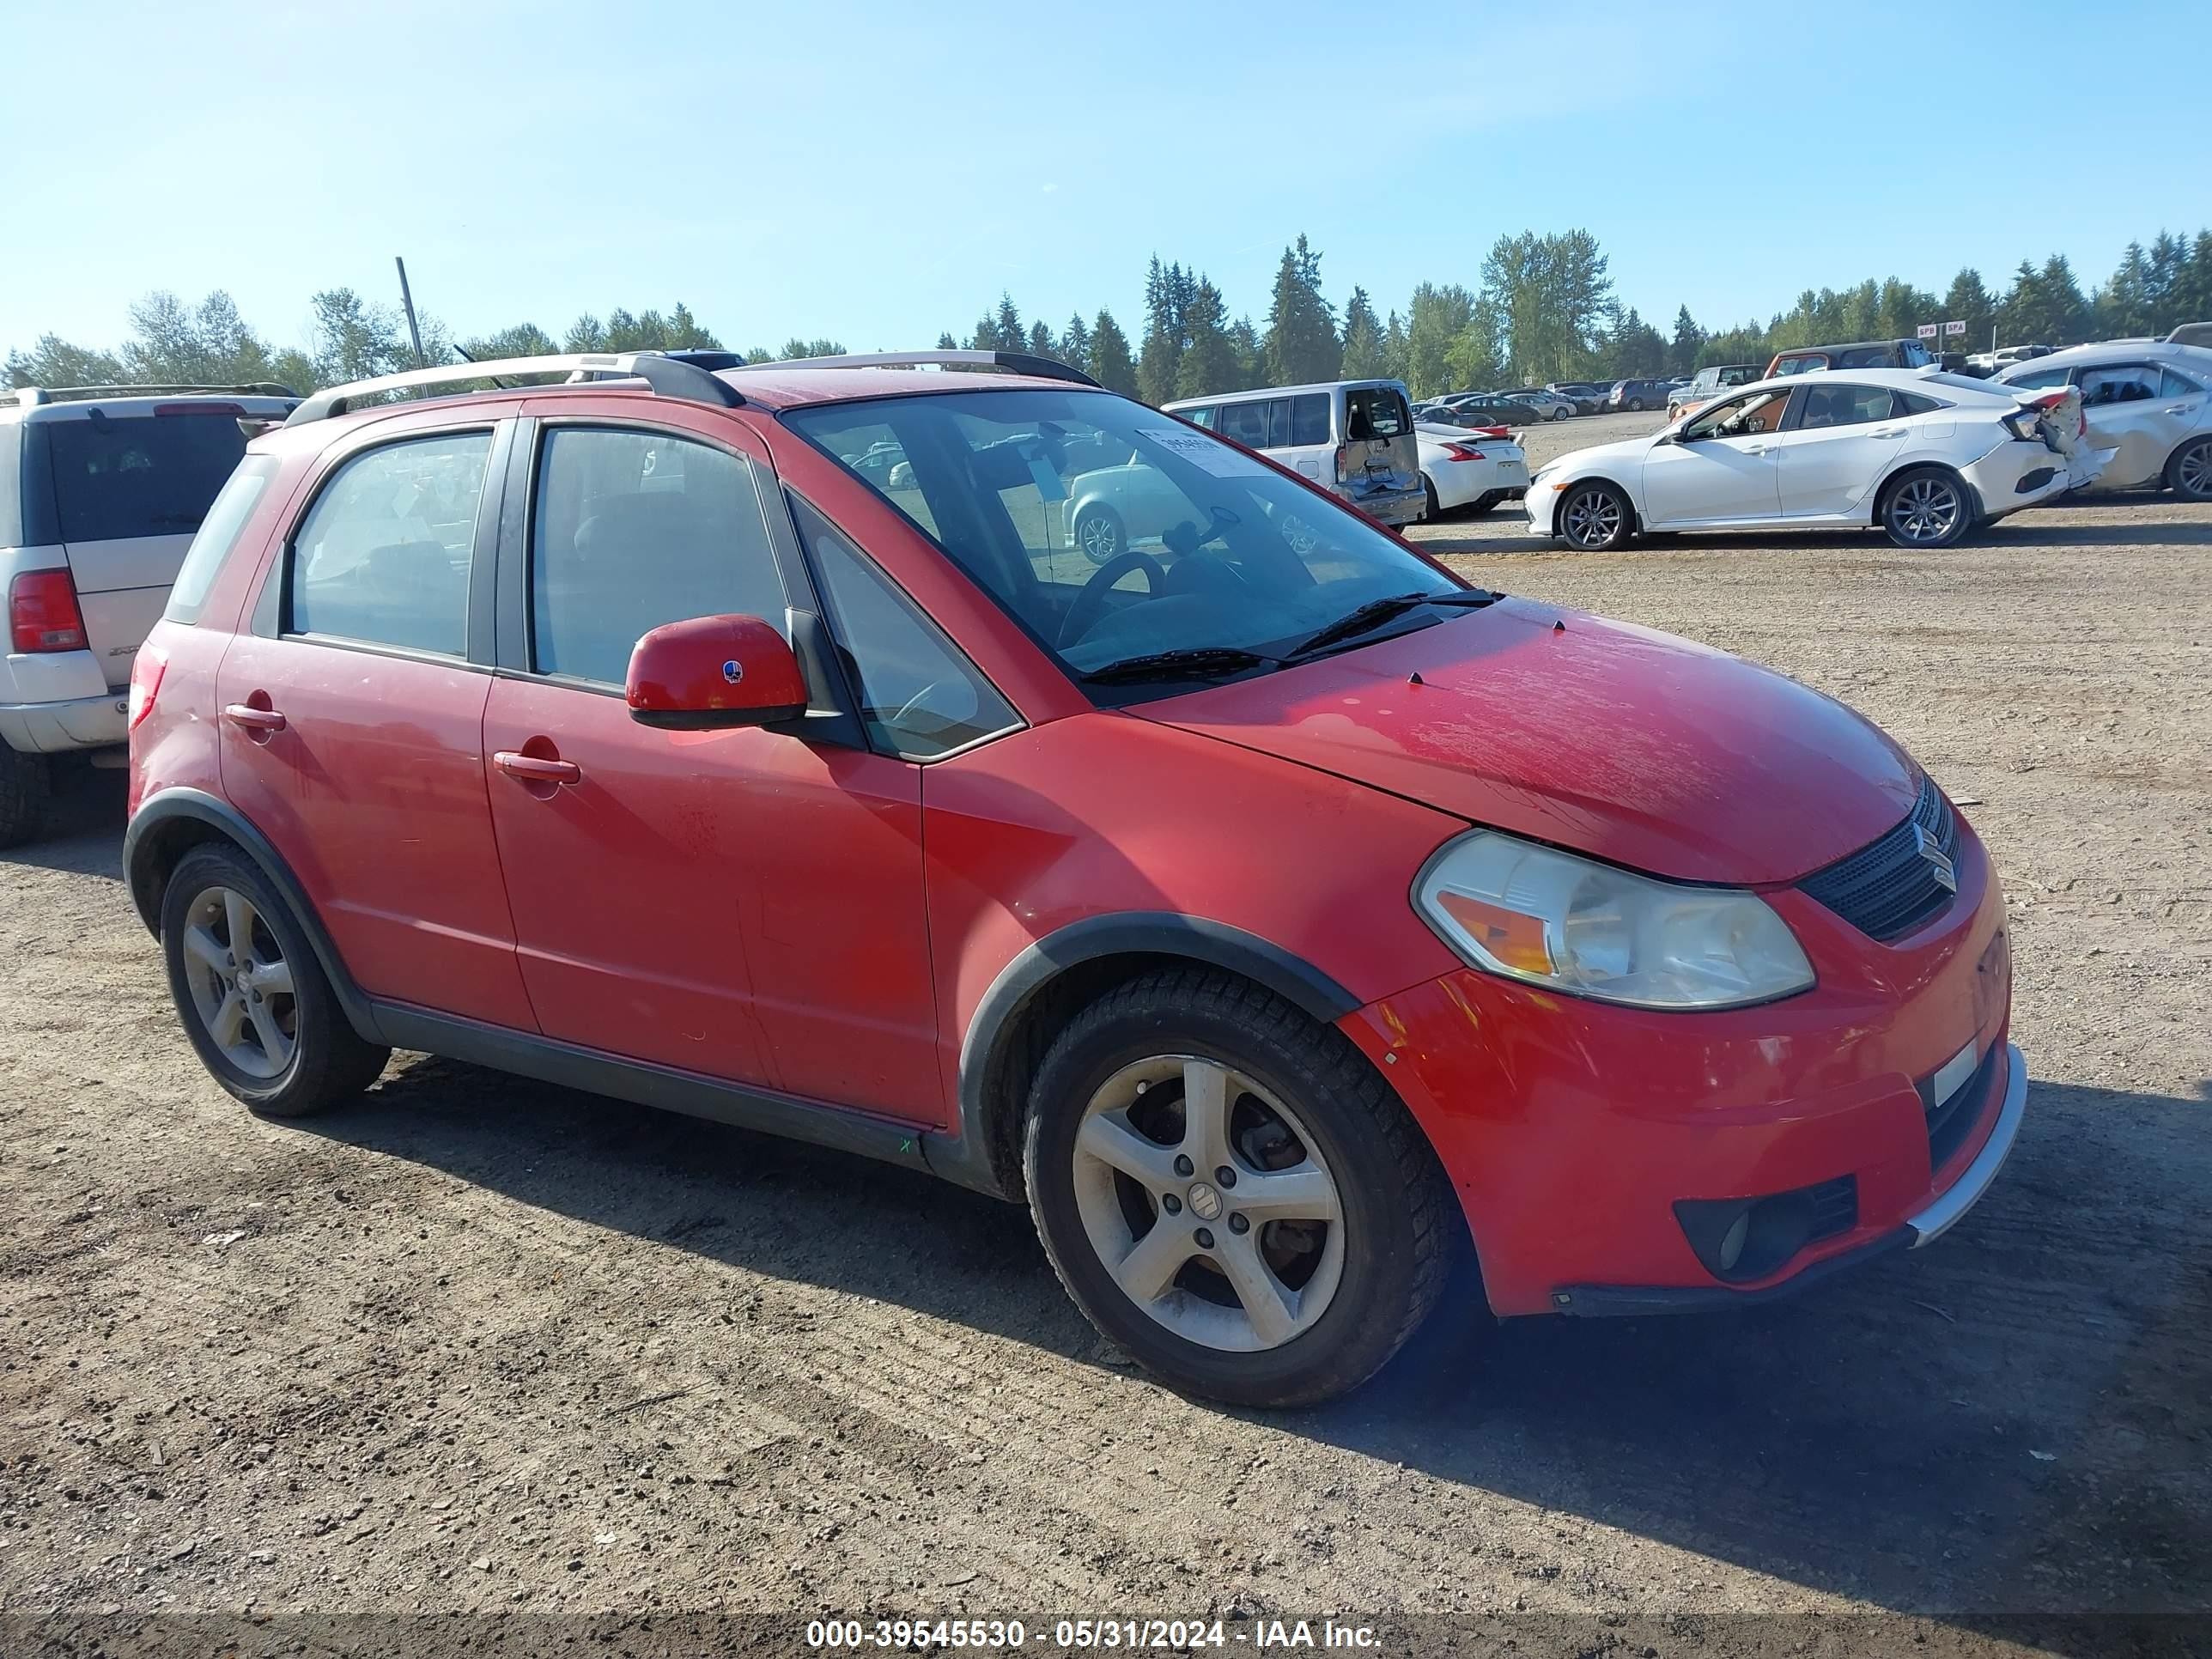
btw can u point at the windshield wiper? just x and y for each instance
(1190, 663)
(1375, 612)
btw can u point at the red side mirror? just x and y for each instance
(713, 671)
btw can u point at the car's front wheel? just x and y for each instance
(1100, 533)
(1594, 518)
(1926, 509)
(253, 999)
(2190, 472)
(1232, 1193)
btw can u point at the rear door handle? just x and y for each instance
(252, 719)
(2181, 409)
(1889, 432)
(536, 769)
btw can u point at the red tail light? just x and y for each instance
(1344, 464)
(43, 613)
(1462, 453)
(146, 671)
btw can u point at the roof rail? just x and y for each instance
(669, 377)
(1015, 362)
(34, 395)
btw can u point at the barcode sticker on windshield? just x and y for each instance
(1203, 452)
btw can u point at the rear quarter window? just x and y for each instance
(218, 533)
(116, 477)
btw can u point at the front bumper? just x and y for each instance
(36, 728)
(1573, 1130)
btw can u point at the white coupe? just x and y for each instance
(1467, 469)
(1924, 455)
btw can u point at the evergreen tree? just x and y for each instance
(1012, 336)
(54, 361)
(2191, 298)
(587, 333)
(946, 343)
(1302, 339)
(1439, 315)
(1111, 365)
(1689, 340)
(986, 337)
(1168, 293)
(521, 340)
(1040, 341)
(1251, 354)
(1397, 350)
(1075, 344)
(1967, 301)
(1208, 362)
(1362, 358)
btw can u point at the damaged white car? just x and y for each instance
(1924, 455)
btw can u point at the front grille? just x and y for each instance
(1835, 1208)
(1887, 889)
(1949, 1123)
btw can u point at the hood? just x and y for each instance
(1621, 742)
(1627, 450)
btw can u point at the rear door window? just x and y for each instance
(382, 556)
(1375, 412)
(1830, 406)
(218, 534)
(1310, 419)
(634, 529)
(1245, 423)
(2118, 383)
(117, 477)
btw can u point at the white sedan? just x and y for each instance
(1470, 469)
(1924, 455)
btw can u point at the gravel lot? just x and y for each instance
(478, 1346)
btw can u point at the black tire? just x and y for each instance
(1401, 1233)
(1482, 503)
(1636, 404)
(25, 784)
(1100, 535)
(2189, 471)
(1593, 517)
(1431, 511)
(1927, 507)
(329, 1061)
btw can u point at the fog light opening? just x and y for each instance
(1732, 1242)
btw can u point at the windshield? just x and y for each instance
(1113, 532)
(118, 476)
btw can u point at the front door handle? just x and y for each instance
(1755, 449)
(536, 769)
(252, 719)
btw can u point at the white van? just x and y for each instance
(1354, 438)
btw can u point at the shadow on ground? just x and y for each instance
(2015, 1420)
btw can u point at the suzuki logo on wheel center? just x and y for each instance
(1205, 1202)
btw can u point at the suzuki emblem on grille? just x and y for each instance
(1939, 862)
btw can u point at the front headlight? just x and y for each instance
(1532, 913)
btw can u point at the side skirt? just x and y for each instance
(406, 1026)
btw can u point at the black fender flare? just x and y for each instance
(965, 1154)
(157, 819)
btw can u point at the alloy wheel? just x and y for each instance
(1099, 536)
(1925, 510)
(2192, 473)
(1592, 519)
(241, 985)
(1208, 1202)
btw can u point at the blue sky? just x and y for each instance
(878, 173)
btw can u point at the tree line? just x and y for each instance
(1544, 309)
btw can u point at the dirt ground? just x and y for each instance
(495, 1367)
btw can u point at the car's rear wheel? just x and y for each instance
(1636, 404)
(254, 1000)
(1594, 518)
(1926, 509)
(26, 782)
(1232, 1193)
(1431, 511)
(1100, 533)
(2190, 472)
(1484, 502)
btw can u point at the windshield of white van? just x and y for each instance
(1131, 546)
(117, 477)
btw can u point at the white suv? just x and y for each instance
(101, 490)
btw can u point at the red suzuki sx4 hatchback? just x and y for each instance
(1280, 918)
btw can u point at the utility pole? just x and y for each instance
(407, 301)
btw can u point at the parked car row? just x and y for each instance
(739, 743)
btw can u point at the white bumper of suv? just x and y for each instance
(55, 701)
